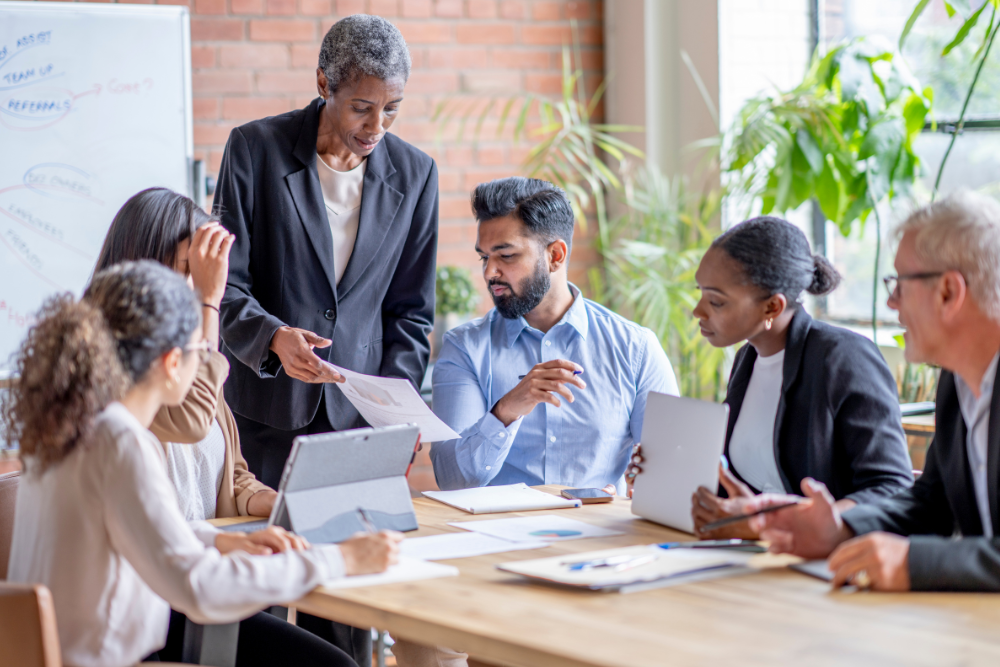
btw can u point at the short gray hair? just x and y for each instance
(363, 45)
(962, 233)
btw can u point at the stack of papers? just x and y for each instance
(509, 498)
(632, 569)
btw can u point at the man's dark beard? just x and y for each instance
(518, 303)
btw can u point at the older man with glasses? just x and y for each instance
(947, 292)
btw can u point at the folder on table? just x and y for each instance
(507, 498)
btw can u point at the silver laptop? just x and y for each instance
(682, 443)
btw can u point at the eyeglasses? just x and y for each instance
(204, 350)
(892, 282)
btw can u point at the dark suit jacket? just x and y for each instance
(943, 502)
(838, 418)
(281, 268)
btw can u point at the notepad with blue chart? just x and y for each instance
(632, 569)
(506, 498)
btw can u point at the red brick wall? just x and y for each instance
(254, 58)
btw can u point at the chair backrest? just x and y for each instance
(28, 632)
(8, 498)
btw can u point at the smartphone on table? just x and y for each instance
(588, 496)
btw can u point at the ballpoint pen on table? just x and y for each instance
(618, 563)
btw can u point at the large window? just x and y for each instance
(975, 159)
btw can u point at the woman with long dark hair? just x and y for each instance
(93, 522)
(806, 398)
(199, 436)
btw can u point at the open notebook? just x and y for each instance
(407, 569)
(507, 498)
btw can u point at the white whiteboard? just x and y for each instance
(95, 105)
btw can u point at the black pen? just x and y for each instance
(521, 377)
(740, 517)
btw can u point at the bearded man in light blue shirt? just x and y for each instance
(548, 387)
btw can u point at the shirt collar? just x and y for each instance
(967, 399)
(575, 317)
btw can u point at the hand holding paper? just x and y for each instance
(392, 401)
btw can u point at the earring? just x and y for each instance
(170, 382)
(767, 324)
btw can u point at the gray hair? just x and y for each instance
(363, 45)
(962, 233)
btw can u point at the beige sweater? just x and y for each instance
(190, 422)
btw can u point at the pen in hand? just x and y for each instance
(740, 517)
(521, 377)
(366, 521)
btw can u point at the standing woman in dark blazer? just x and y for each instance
(335, 222)
(806, 399)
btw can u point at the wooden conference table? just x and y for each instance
(775, 617)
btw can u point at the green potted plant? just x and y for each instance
(456, 301)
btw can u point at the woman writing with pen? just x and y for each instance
(806, 399)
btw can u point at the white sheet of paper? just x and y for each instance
(408, 569)
(504, 498)
(547, 527)
(392, 401)
(461, 545)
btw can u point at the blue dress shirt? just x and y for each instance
(586, 443)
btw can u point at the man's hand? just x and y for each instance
(262, 502)
(371, 553)
(540, 385)
(707, 507)
(882, 556)
(208, 261)
(811, 529)
(271, 540)
(295, 349)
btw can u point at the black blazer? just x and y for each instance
(281, 268)
(838, 418)
(943, 501)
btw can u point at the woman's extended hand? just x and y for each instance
(208, 261)
(370, 553)
(271, 540)
(707, 507)
(295, 349)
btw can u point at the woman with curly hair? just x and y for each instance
(91, 522)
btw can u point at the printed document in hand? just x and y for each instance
(407, 569)
(505, 498)
(546, 527)
(461, 545)
(392, 401)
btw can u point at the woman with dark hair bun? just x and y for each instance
(806, 398)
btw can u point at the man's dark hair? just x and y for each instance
(542, 207)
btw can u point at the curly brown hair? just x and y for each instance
(66, 372)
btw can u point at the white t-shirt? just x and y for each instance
(342, 196)
(100, 529)
(196, 471)
(751, 449)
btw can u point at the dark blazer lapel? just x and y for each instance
(795, 343)
(304, 187)
(993, 456)
(379, 203)
(949, 439)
